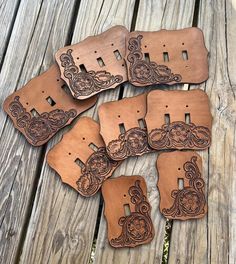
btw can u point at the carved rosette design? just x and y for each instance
(86, 83)
(137, 228)
(39, 128)
(97, 168)
(144, 72)
(131, 143)
(180, 135)
(190, 201)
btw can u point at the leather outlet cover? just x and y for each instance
(42, 107)
(181, 185)
(127, 211)
(166, 57)
(80, 158)
(94, 64)
(178, 120)
(123, 127)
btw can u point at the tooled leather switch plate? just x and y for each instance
(42, 107)
(80, 158)
(181, 185)
(94, 64)
(123, 127)
(178, 120)
(127, 211)
(166, 56)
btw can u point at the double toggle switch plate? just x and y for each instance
(80, 158)
(43, 106)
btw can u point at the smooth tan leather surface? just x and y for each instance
(128, 112)
(97, 78)
(38, 130)
(176, 203)
(191, 66)
(124, 229)
(178, 133)
(75, 144)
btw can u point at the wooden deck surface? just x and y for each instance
(45, 221)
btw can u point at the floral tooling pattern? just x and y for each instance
(144, 72)
(97, 169)
(86, 83)
(190, 201)
(42, 127)
(137, 228)
(180, 135)
(131, 143)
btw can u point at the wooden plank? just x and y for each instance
(8, 10)
(212, 239)
(62, 222)
(19, 161)
(149, 12)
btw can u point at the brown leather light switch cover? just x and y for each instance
(166, 56)
(123, 127)
(178, 119)
(42, 107)
(94, 64)
(80, 158)
(181, 185)
(127, 211)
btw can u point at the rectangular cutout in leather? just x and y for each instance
(42, 107)
(176, 201)
(80, 158)
(127, 211)
(122, 128)
(103, 58)
(175, 56)
(178, 120)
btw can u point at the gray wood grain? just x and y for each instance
(62, 222)
(152, 15)
(8, 9)
(35, 23)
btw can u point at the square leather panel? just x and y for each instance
(166, 57)
(94, 64)
(181, 186)
(42, 107)
(178, 119)
(80, 158)
(123, 127)
(127, 211)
